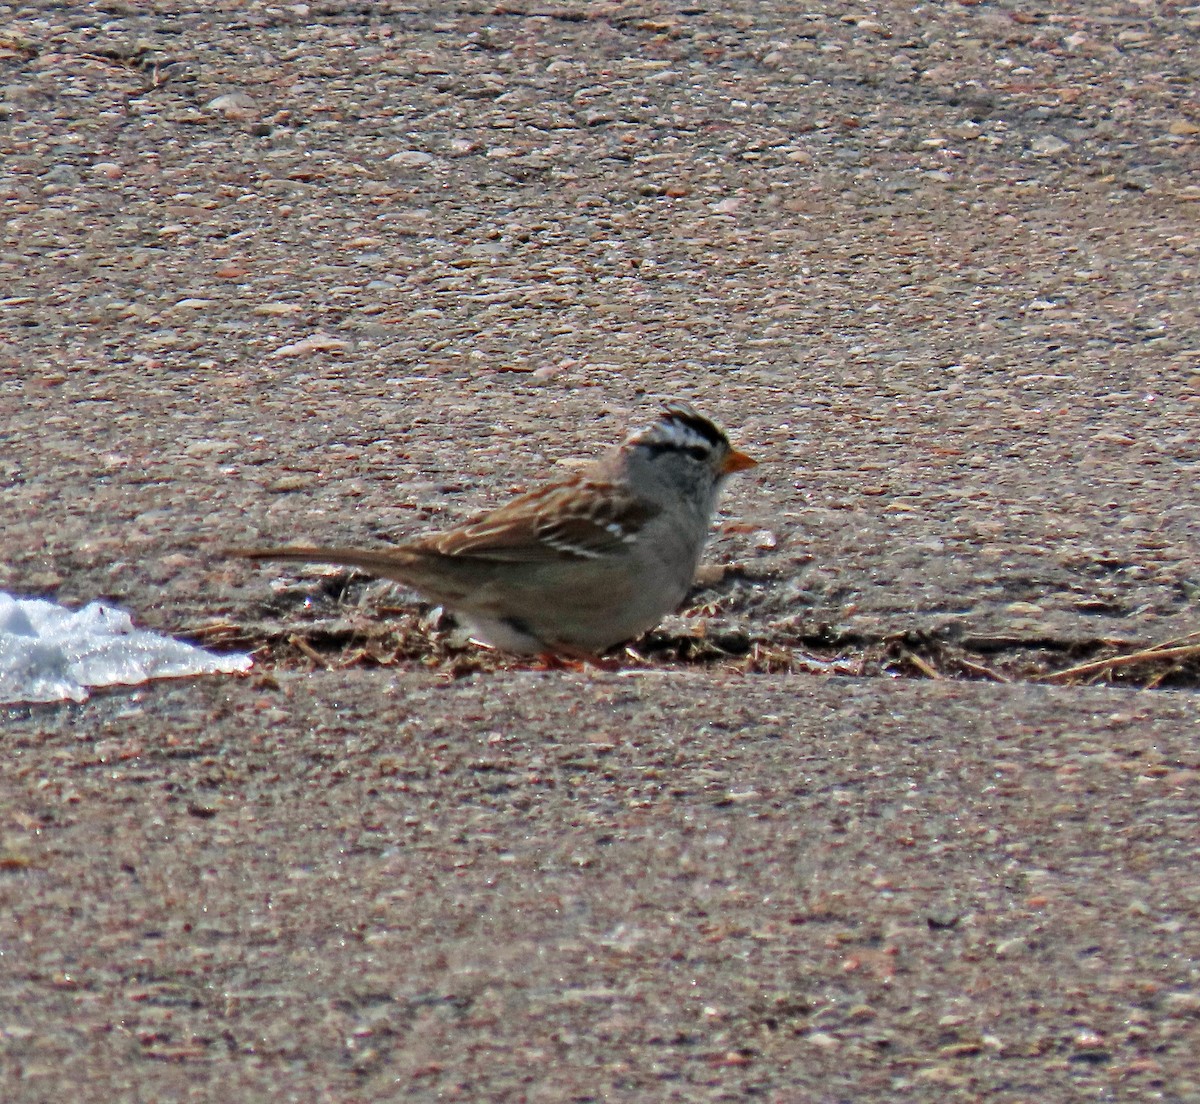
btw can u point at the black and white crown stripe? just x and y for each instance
(681, 427)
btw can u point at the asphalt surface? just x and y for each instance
(349, 272)
(547, 886)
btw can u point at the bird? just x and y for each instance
(579, 565)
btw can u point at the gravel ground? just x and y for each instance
(939, 267)
(349, 272)
(533, 886)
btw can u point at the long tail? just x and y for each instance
(388, 563)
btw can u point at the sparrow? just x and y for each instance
(578, 565)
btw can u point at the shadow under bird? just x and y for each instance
(579, 565)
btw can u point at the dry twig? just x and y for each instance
(308, 650)
(1169, 649)
(926, 668)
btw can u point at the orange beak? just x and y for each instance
(736, 462)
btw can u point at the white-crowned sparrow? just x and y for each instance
(581, 564)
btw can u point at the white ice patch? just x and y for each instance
(50, 653)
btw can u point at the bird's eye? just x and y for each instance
(697, 452)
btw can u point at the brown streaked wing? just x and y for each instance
(578, 519)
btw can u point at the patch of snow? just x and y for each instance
(51, 653)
